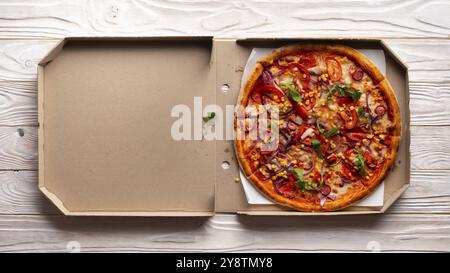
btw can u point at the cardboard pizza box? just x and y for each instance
(106, 115)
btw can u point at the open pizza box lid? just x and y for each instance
(106, 112)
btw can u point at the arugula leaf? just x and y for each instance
(331, 91)
(292, 92)
(209, 117)
(305, 185)
(317, 147)
(360, 163)
(295, 95)
(331, 133)
(299, 174)
(300, 179)
(354, 94)
(362, 111)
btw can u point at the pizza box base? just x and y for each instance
(104, 108)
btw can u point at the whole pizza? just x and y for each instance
(319, 126)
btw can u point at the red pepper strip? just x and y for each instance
(315, 176)
(307, 141)
(269, 89)
(256, 97)
(301, 110)
(357, 136)
(350, 123)
(369, 158)
(300, 132)
(344, 100)
(302, 71)
(346, 173)
(307, 60)
(290, 185)
(348, 153)
(323, 144)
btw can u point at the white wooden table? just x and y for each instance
(417, 30)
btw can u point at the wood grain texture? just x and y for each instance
(428, 62)
(430, 149)
(19, 194)
(57, 18)
(19, 59)
(18, 103)
(18, 148)
(418, 221)
(429, 72)
(226, 233)
(429, 192)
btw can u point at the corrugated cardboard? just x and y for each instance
(104, 126)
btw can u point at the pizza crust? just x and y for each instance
(355, 194)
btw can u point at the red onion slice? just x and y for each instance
(308, 164)
(267, 77)
(276, 185)
(346, 181)
(323, 199)
(331, 196)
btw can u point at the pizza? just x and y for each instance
(319, 126)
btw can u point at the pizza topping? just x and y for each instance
(307, 164)
(296, 119)
(316, 70)
(357, 136)
(301, 111)
(305, 184)
(293, 94)
(334, 69)
(331, 132)
(350, 118)
(346, 94)
(308, 60)
(360, 163)
(292, 125)
(333, 129)
(358, 74)
(276, 93)
(380, 110)
(317, 146)
(325, 189)
(277, 185)
(267, 77)
(307, 133)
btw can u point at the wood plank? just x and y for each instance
(429, 73)
(18, 148)
(429, 192)
(225, 233)
(430, 149)
(19, 59)
(50, 18)
(18, 103)
(428, 61)
(19, 194)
